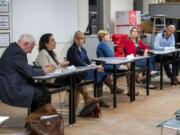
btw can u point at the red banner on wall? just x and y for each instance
(132, 17)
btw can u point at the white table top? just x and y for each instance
(164, 52)
(171, 123)
(64, 72)
(118, 60)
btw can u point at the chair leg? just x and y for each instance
(60, 104)
(65, 98)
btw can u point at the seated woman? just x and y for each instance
(47, 56)
(134, 45)
(77, 56)
(104, 50)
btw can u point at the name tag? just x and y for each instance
(169, 48)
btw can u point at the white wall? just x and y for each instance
(61, 50)
(120, 5)
(111, 6)
(146, 5)
(77, 9)
(107, 15)
(37, 17)
(41, 16)
(83, 14)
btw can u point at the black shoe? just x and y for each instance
(103, 104)
(151, 86)
(118, 90)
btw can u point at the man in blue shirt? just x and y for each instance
(164, 40)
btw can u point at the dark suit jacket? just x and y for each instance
(77, 57)
(16, 84)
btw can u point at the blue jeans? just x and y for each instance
(142, 63)
(100, 77)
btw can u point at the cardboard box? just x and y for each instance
(147, 26)
(124, 29)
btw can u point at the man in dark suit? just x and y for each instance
(17, 86)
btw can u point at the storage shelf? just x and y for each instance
(160, 25)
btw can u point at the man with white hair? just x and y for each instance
(163, 40)
(17, 86)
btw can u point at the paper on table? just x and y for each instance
(57, 71)
(130, 57)
(61, 70)
(3, 118)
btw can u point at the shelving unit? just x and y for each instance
(176, 22)
(171, 10)
(158, 27)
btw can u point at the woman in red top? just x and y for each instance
(135, 46)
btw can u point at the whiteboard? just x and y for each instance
(170, 10)
(37, 17)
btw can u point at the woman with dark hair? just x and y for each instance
(47, 56)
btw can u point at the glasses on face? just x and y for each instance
(79, 38)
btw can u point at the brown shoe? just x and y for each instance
(177, 80)
(109, 83)
(88, 99)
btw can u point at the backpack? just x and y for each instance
(92, 110)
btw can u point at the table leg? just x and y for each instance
(161, 130)
(132, 82)
(95, 83)
(114, 86)
(147, 77)
(173, 69)
(44, 91)
(71, 98)
(161, 72)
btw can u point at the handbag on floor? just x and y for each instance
(45, 121)
(91, 110)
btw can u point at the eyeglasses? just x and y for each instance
(79, 38)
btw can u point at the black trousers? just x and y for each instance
(167, 67)
(37, 100)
